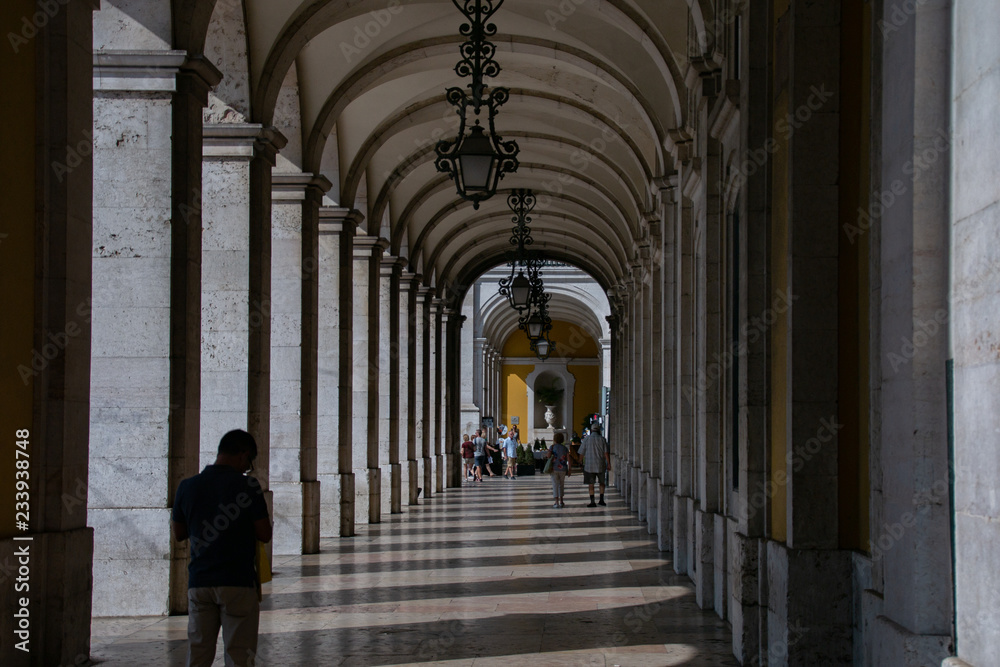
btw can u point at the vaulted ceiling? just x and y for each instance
(357, 86)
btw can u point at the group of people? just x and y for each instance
(594, 456)
(477, 454)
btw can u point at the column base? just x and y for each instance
(329, 504)
(347, 504)
(428, 478)
(895, 645)
(704, 550)
(665, 518)
(721, 576)
(642, 488)
(744, 606)
(59, 598)
(652, 503)
(799, 632)
(414, 481)
(633, 489)
(396, 492)
(680, 535)
(310, 517)
(439, 470)
(374, 495)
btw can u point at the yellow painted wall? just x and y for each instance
(17, 255)
(587, 393)
(514, 394)
(572, 342)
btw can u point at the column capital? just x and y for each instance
(152, 71)
(298, 186)
(334, 220)
(392, 266)
(367, 247)
(241, 141)
(424, 294)
(405, 280)
(653, 223)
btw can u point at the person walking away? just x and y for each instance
(468, 456)
(482, 450)
(509, 449)
(562, 467)
(223, 514)
(596, 461)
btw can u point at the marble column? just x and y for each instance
(668, 369)
(432, 396)
(645, 385)
(294, 267)
(365, 415)
(636, 372)
(418, 364)
(654, 368)
(453, 428)
(335, 315)
(407, 386)
(236, 305)
(146, 312)
(392, 362)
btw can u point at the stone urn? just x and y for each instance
(550, 416)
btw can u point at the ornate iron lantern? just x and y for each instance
(520, 288)
(477, 160)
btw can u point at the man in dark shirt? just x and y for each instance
(223, 513)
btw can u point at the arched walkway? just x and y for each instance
(484, 575)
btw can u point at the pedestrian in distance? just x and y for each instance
(562, 467)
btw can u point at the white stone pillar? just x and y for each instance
(421, 385)
(365, 424)
(236, 301)
(145, 355)
(432, 409)
(294, 265)
(388, 386)
(335, 369)
(402, 440)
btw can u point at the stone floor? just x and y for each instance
(489, 575)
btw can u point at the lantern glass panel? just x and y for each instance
(520, 291)
(476, 160)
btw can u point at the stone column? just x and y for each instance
(654, 366)
(392, 362)
(236, 306)
(432, 396)
(645, 386)
(686, 395)
(452, 323)
(931, 135)
(335, 314)
(294, 255)
(441, 445)
(407, 385)
(636, 478)
(365, 336)
(668, 367)
(146, 352)
(418, 319)
(45, 339)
